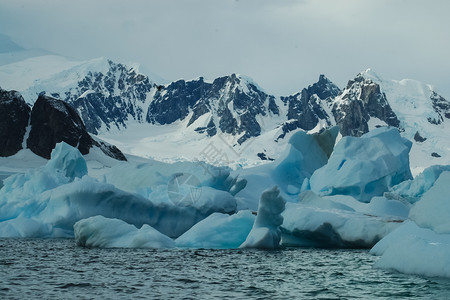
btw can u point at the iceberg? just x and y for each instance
(218, 231)
(19, 191)
(48, 201)
(364, 167)
(413, 189)
(422, 244)
(68, 160)
(101, 232)
(414, 250)
(338, 221)
(266, 232)
(304, 154)
(24, 227)
(433, 210)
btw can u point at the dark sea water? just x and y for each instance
(57, 269)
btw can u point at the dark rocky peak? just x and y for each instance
(233, 102)
(237, 102)
(441, 106)
(307, 108)
(324, 88)
(173, 102)
(357, 103)
(14, 117)
(110, 98)
(54, 121)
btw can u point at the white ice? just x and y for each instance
(339, 221)
(433, 210)
(414, 250)
(422, 244)
(47, 201)
(413, 189)
(266, 232)
(218, 231)
(364, 167)
(101, 232)
(304, 154)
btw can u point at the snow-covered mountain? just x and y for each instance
(111, 98)
(362, 103)
(232, 114)
(424, 118)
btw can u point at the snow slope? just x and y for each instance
(410, 100)
(36, 72)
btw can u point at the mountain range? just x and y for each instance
(232, 113)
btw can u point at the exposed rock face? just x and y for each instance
(110, 150)
(14, 116)
(54, 121)
(112, 95)
(308, 107)
(361, 100)
(419, 138)
(232, 102)
(116, 95)
(112, 98)
(441, 106)
(173, 102)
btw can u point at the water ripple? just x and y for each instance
(57, 269)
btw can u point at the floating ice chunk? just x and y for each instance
(68, 160)
(414, 250)
(327, 223)
(20, 191)
(433, 210)
(102, 232)
(65, 205)
(143, 177)
(218, 231)
(60, 193)
(309, 198)
(266, 228)
(364, 167)
(23, 227)
(412, 190)
(59, 208)
(304, 154)
(383, 207)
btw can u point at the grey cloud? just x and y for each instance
(283, 45)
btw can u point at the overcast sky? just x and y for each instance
(282, 44)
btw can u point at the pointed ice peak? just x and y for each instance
(370, 74)
(249, 81)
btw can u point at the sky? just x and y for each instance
(284, 45)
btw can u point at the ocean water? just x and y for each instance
(58, 269)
